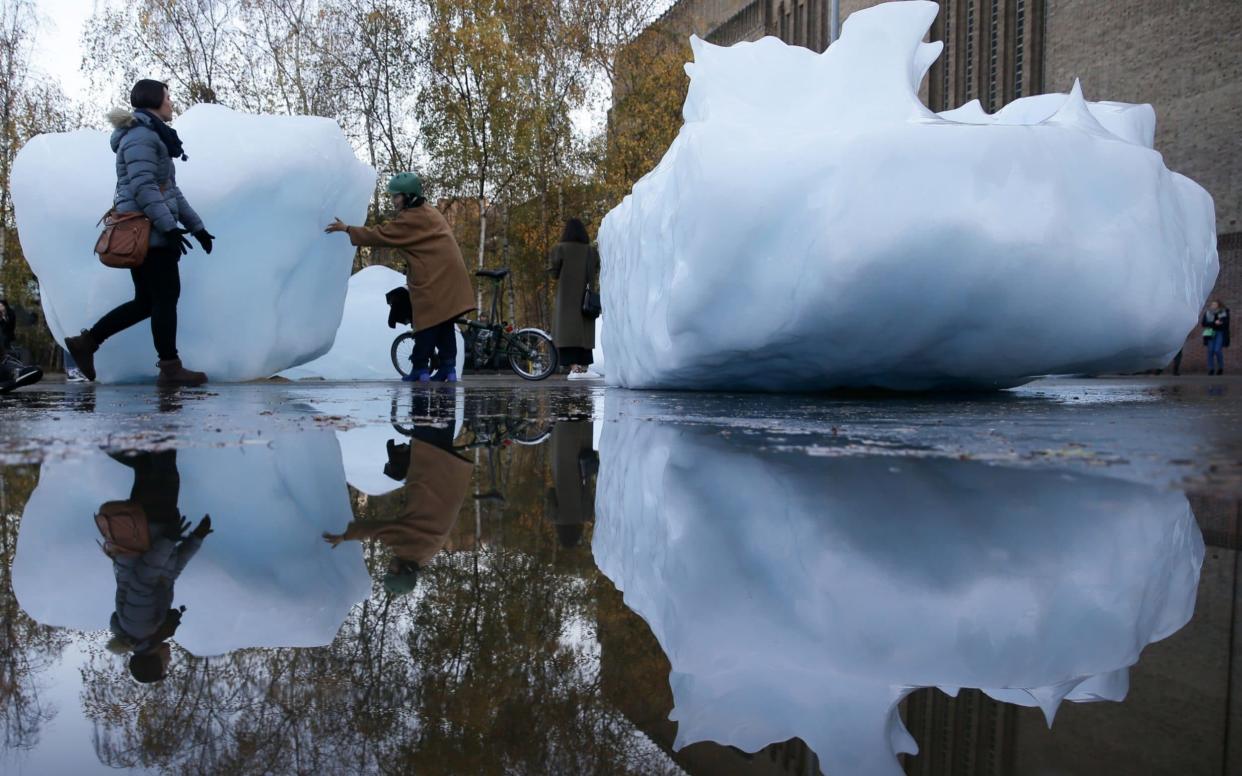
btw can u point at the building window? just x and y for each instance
(783, 24)
(945, 94)
(1019, 46)
(993, 56)
(969, 91)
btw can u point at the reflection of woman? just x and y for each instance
(571, 501)
(436, 484)
(574, 263)
(149, 549)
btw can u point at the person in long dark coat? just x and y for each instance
(575, 265)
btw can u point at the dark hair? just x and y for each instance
(575, 232)
(147, 93)
(412, 201)
(147, 667)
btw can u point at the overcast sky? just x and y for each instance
(57, 45)
(58, 52)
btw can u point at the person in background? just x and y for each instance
(146, 181)
(575, 264)
(8, 326)
(14, 373)
(440, 290)
(1216, 335)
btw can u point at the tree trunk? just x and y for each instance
(482, 243)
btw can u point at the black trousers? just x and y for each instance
(157, 287)
(441, 339)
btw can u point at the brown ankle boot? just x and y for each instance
(82, 348)
(172, 373)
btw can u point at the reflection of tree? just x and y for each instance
(27, 649)
(490, 666)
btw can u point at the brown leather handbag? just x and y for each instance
(125, 239)
(124, 527)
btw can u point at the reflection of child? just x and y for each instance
(147, 541)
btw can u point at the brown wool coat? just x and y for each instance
(573, 265)
(435, 489)
(436, 274)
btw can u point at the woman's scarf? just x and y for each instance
(167, 134)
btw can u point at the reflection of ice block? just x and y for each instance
(597, 355)
(270, 294)
(363, 347)
(848, 581)
(871, 242)
(265, 577)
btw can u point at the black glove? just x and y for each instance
(204, 238)
(178, 239)
(203, 528)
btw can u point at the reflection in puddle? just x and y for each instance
(263, 578)
(803, 596)
(455, 621)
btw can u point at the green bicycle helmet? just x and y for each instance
(406, 183)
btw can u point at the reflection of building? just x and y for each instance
(1183, 58)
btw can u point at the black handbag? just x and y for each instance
(590, 303)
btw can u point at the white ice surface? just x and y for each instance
(263, 578)
(363, 347)
(800, 595)
(814, 225)
(270, 294)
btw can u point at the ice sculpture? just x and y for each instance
(814, 225)
(270, 294)
(264, 578)
(362, 350)
(801, 595)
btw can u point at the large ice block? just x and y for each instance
(814, 225)
(270, 294)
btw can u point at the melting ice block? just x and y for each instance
(363, 346)
(791, 600)
(263, 578)
(814, 225)
(270, 294)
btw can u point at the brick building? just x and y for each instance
(1183, 58)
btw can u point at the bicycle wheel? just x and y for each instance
(403, 352)
(532, 354)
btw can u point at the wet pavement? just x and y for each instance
(562, 578)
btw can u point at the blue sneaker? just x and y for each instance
(444, 376)
(421, 376)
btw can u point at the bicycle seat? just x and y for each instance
(495, 274)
